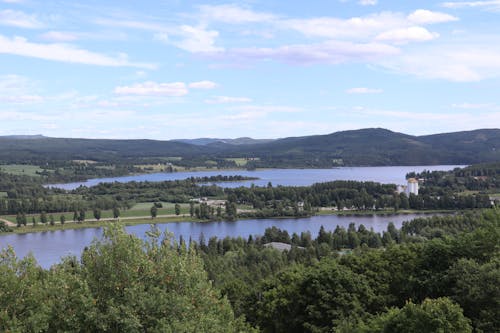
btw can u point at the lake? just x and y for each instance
(48, 247)
(285, 177)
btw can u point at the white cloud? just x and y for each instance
(14, 84)
(363, 27)
(406, 35)
(132, 24)
(162, 37)
(330, 52)
(203, 85)
(488, 5)
(63, 52)
(423, 16)
(234, 14)
(197, 39)
(227, 99)
(194, 39)
(474, 106)
(16, 89)
(150, 88)
(467, 62)
(59, 36)
(244, 116)
(19, 19)
(22, 99)
(268, 108)
(357, 28)
(368, 2)
(363, 90)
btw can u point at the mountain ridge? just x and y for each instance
(369, 146)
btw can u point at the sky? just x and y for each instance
(171, 69)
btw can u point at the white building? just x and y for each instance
(412, 187)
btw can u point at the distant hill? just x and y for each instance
(377, 146)
(365, 147)
(22, 150)
(237, 141)
(23, 137)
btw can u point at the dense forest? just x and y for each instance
(433, 275)
(478, 177)
(373, 146)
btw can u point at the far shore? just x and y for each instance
(171, 218)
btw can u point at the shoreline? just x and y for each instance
(189, 219)
(57, 185)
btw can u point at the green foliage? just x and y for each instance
(432, 316)
(123, 284)
(4, 227)
(153, 211)
(313, 299)
(476, 288)
(314, 287)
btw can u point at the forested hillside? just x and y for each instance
(360, 147)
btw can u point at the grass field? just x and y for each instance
(21, 169)
(241, 162)
(30, 228)
(140, 209)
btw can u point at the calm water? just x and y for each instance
(286, 177)
(48, 247)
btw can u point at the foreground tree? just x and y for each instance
(312, 299)
(432, 316)
(123, 284)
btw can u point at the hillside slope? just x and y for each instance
(372, 146)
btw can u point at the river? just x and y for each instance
(285, 177)
(49, 246)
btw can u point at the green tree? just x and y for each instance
(475, 287)
(311, 299)
(432, 316)
(191, 208)
(62, 219)
(177, 209)
(52, 219)
(121, 284)
(116, 212)
(43, 218)
(153, 211)
(149, 286)
(97, 214)
(81, 215)
(19, 220)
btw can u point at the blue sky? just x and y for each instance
(260, 68)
